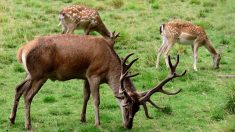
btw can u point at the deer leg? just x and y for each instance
(195, 55)
(94, 87)
(28, 97)
(64, 29)
(87, 31)
(89, 28)
(160, 51)
(216, 56)
(166, 53)
(71, 28)
(18, 93)
(86, 94)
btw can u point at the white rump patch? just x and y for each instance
(24, 62)
(61, 17)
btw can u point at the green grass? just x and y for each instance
(206, 102)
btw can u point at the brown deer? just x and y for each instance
(93, 59)
(79, 16)
(178, 31)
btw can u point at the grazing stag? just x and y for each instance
(185, 33)
(93, 59)
(78, 16)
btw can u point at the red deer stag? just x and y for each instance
(185, 33)
(93, 59)
(78, 16)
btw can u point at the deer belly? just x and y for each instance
(63, 76)
(84, 23)
(185, 38)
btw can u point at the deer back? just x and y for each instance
(64, 57)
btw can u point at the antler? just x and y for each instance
(114, 35)
(124, 75)
(159, 87)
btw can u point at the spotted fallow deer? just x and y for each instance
(90, 58)
(79, 16)
(183, 32)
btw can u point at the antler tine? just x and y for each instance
(159, 87)
(153, 104)
(177, 60)
(169, 93)
(125, 59)
(133, 75)
(117, 35)
(130, 64)
(146, 111)
(170, 64)
(146, 108)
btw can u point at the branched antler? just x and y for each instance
(159, 88)
(124, 75)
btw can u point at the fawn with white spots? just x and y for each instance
(79, 16)
(90, 58)
(178, 31)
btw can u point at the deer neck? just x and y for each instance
(101, 28)
(114, 82)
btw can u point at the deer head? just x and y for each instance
(132, 101)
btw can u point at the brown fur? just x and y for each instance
(67, 56)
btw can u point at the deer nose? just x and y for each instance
(129, 124)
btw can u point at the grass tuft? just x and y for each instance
(209, 4)
(49, 99)
(117, 3)
(218, 114)
(224, 40)
(155, 5)
(167, 110)
(195, 2)
(18, 68)
(230, 105)
(201, 87)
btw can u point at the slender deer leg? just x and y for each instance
(215, 55)
(86, 94)
(28, 97)
(71, 27)
(89, 28)
(160, 51)
(195, 55)
(166, 52)
(18, 93)
(87, 31)
(64, 29)
(94, 87)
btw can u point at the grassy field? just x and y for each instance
(207, 102)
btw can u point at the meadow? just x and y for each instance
(206, 103)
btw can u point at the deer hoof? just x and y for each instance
(12, 120)
(83, 120)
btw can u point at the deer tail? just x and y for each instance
(161, 28)
(19, 54)
(61, 18)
